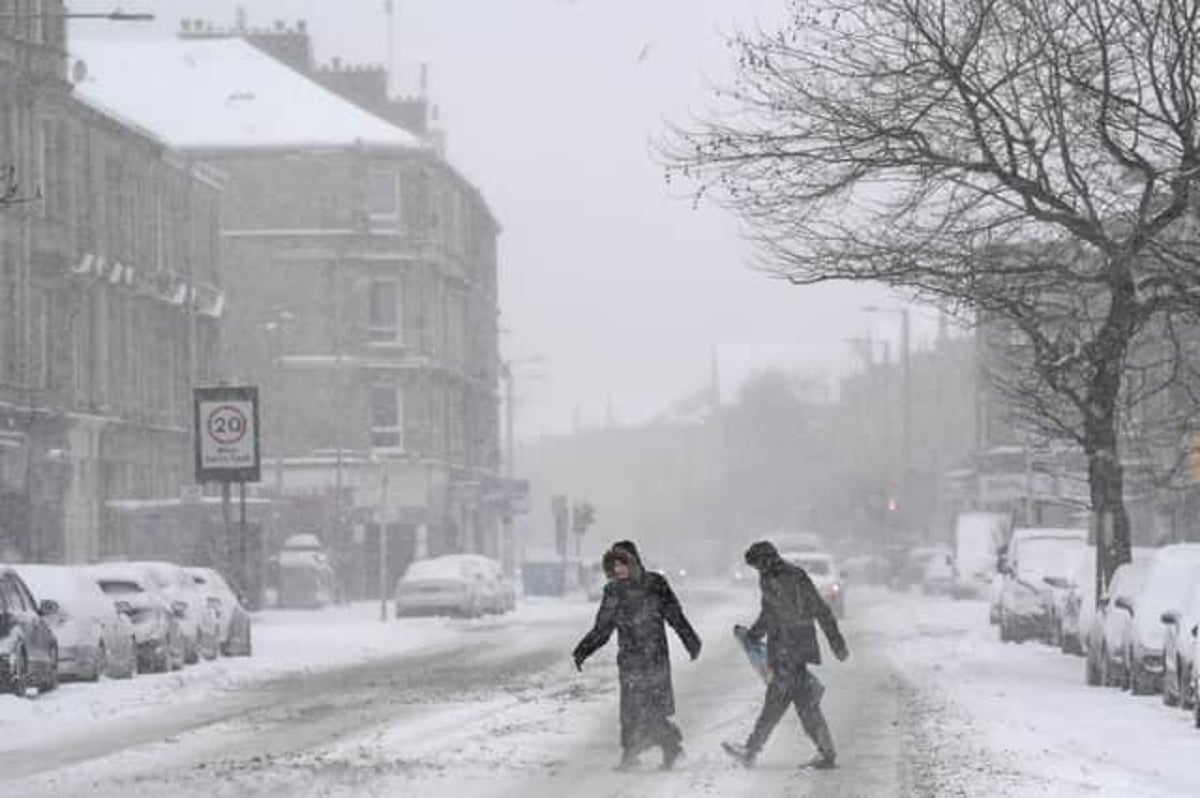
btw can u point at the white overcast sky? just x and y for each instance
(551, 107)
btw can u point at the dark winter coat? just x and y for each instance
(791, 608)
(638, 609)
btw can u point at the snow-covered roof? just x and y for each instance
(218, 94)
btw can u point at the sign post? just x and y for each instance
(226, 436)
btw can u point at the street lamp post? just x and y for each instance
(383, 534)
(905, 394)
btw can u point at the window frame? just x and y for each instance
(393, 214)
(394, 432)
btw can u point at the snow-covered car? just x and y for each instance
(1104, 650)
(156, 631)
(233, 622)
(93, 638)
(1060, 588)
(1079, 604)
(594, 580)
(440, 586)
(1079, 607)
(28, 649)
(822, 569)
(938, 577)
(197, 620)
(497, 594)
(305, 575)
(1026, 599)
(978, 537)
(1179, 650)
(1168, 580)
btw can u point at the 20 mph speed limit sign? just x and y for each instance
(226, 428)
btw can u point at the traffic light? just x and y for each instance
(583, 517)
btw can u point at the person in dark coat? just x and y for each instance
(791, 608)
(638, 604)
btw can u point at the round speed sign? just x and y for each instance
(226, 425)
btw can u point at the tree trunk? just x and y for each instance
(1106, 478)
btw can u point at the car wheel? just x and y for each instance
(51, 680)
(100, 665)
(18, 674)
(131, 666)
(1172, 687)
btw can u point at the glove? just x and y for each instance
(695, 654)
(842, 653)
(578, 660)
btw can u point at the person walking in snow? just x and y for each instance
(637, 604)
(791, 608)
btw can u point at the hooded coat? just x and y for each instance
(791, 608)
(638, 609)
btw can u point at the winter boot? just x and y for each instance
(821, 762)
(740, 753)
(629, 761)
(671, 753)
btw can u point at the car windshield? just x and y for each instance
(816, 566)
(1166, 585)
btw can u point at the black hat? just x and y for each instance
(762, 554)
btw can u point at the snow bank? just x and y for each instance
(1035, 727)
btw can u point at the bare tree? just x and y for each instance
(1030, 161)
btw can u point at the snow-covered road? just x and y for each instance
(929, 704)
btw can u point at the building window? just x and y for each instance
(384, 324)
(383, 196)
(387, 417)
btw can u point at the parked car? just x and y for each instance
(197, 620)
(439, 586)
(1169, 578)
(233, 621)
(1060, 587)
(1105, 649)
(304, 573)
(1079, 606)
(28, 648)
(978, 537)
(1179, 648)
(156, 631)
(1026, 599)
(93, 638)
(497, 594)
(822, 569)
(938, 577)
(594, 580)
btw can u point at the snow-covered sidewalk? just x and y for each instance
(286, 643)
(1017, 719)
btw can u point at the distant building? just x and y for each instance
(109, 303)
(362, 275)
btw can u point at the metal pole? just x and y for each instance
(383, 541)
(242, 547)
(227, 518)
(509, 416)
(906, 402)
(510, 554)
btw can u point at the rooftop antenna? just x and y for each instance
(389, 8)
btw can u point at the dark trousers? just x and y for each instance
(803, 691)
